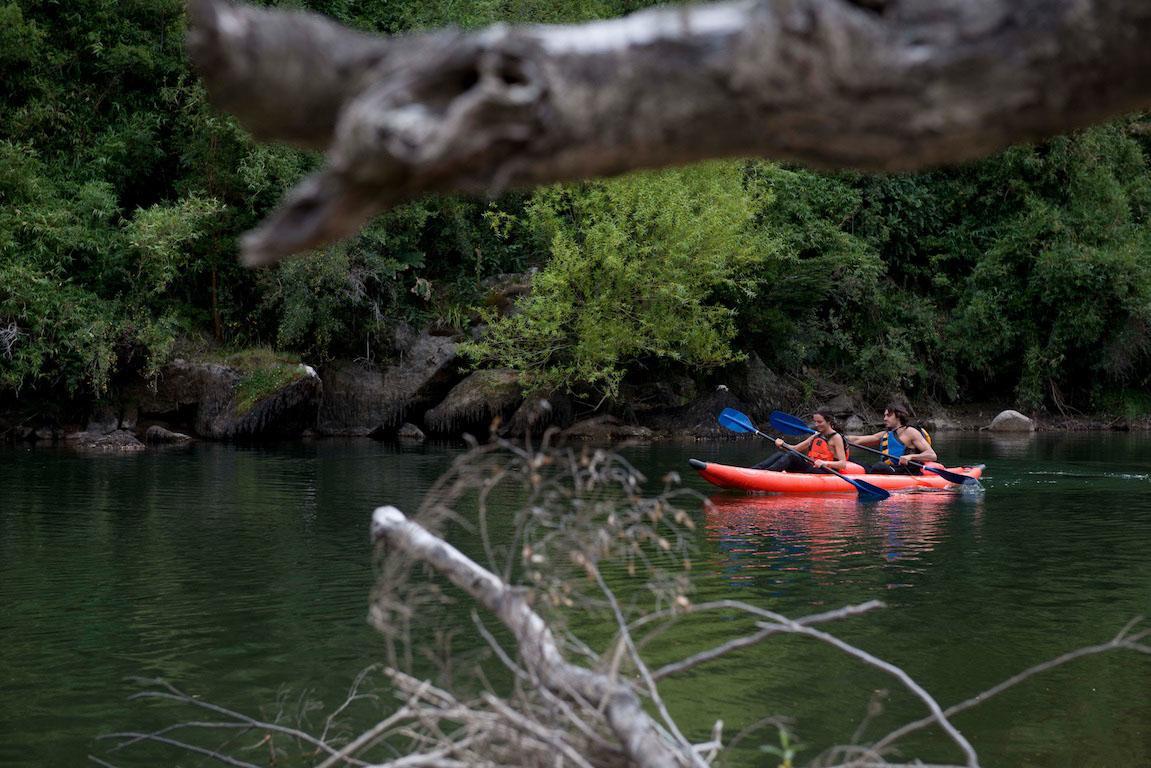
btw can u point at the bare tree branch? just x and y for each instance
(569, 714)
(174, 694)
(217, 756)
(216, 725)
(834, 84)
(553, 738)
(354, 695)
(937, 712)
(636, 731)
(645, 673)
(1122, 641)
(366, 739)
(102, 763)
(748, 640)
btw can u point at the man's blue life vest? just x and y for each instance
(890, 444)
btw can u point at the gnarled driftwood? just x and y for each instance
(870, 84)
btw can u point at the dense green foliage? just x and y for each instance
(634, 262)
(1026, 277)
(1029, 273)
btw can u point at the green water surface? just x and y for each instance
(243, 574)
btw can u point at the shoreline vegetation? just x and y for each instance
(1022, 280)
(427, 394)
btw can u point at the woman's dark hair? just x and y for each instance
(830, 419)
(900, 413)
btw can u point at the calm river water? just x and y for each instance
(243, 574)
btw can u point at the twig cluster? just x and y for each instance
(9, 335)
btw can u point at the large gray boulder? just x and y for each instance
(410, 432)
(606, 428)
(476, 402)
(659, 392)
(355, 401)
(843, 406)
(361, 401)
(1011, 421)
(537, 414)
(853, 425)
(219, 401)
(45, 434)
(118, 440)
(175, 396)
(157, 435)
(183, 383)
(940, 421)
(285, 411)
(104, 419)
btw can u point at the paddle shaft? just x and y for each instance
(946, 474)
(738, 422)
(808, 459)
(878, 452)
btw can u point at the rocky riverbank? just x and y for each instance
(427, 390)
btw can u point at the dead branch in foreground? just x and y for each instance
(869, 84)
(582, 524)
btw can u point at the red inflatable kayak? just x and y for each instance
(767, 481)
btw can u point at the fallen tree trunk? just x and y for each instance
(639, 736)
(872, 84)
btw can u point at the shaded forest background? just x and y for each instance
(1025, 278)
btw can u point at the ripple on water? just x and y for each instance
(237, 571)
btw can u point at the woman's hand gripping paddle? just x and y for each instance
(738, 422)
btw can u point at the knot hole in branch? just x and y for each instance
(878, 7)
(512, 75)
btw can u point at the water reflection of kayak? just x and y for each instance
(821, 532)
(739, 505)
(768, 481)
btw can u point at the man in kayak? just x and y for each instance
(901, 441)
(825, 449)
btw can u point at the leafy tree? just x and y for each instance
(635, 264)
(1064, 286)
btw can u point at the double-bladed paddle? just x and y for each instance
(738, 422)
(790, 425)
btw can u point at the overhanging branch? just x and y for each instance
(883, 86)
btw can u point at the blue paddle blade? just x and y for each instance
(789, 425)
(867, 491)
(951, 477)
(735, 421)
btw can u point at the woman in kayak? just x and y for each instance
(825, 449)
(901, 441)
